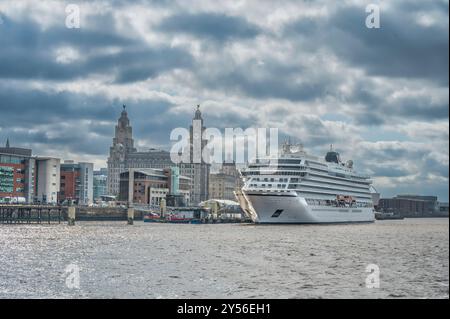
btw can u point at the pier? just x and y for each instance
(47, 214)
(31, 214)
(42, 214)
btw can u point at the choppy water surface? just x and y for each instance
(226, 261)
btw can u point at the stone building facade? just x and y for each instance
(124, 156)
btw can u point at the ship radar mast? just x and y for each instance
(333, 156)
(292, 148)
(286, 147)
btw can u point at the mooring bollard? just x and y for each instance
(130, 215)
(71, 216)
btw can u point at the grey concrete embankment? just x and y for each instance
(105, 213)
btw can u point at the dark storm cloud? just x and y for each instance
(56, 120)
(400, 48)
(71, 136)
(268, 79)
(82, 123)
(421, 108)
(405, 160)
(139, 64)
(393, 152)
(368, 118)
(371, 108)
(29, 107)
(389, 171)
(228, 119)
(29, 52)
(154, 120)
(270, 86)
(435, 167)
(313, 131)
(212, 26)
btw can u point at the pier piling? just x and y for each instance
(71, 216)
(130, 215)
(29, 214)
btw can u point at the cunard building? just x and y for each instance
(124, 156)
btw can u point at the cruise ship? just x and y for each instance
(297, 188)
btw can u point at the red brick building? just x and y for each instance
(150, 186)
(69, 189)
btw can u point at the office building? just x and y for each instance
(77, 183)
(100, 183)
(223, 184)
(150, 186)
(47, 180)
(17, 174)
(410, 205)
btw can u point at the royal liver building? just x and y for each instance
(123, 156)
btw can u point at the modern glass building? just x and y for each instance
(27, 179)
(100, 183)
(17, 175)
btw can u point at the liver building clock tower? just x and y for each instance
(123, 145)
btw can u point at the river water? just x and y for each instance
(114, 260)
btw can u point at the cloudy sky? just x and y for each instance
(310, 68)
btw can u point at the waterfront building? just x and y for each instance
(229, 168)
(222, 186)
(27, 178)
(442, 208)
(197, 172)
(100, 183)
(223, 209)
(411, 205)
(17, 174)
(122, 147)
(47, 180)
(150, 186)
(77, 183)
(124, 156)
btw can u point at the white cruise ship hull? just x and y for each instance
(289, 208)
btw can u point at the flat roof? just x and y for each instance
(17, 151)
